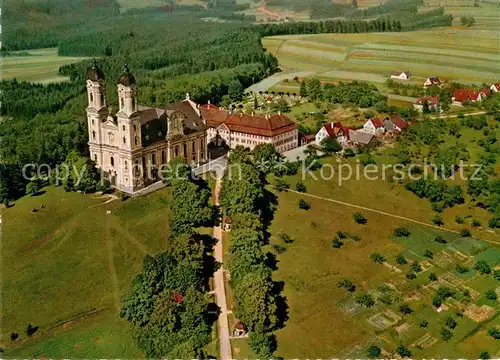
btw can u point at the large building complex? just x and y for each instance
(131, 144)
(250, 130)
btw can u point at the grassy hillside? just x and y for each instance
(66, 267)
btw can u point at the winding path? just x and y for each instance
(219, 287)
(383, 213)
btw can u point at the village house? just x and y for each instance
(359, 138)
(432, 103)
(374, 126)
(462, 95)
(401, 75)
(395, 123)
(333, 130)
(495, 87)
(131, 144)
(249, 130)
(432, 81)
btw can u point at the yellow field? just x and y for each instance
(35, 65)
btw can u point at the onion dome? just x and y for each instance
(94, 73)
(126, 78)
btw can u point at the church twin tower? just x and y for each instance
(130, 145)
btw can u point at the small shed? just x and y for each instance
(227, 222)
(239, 329)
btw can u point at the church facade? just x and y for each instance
(132, 145)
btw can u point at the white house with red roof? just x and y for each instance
(333, 130)
(432, 103)
(374, 126)
(495, 87)
(462, 95)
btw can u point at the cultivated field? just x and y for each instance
(66, 267)
(325, 321)
(468, 55)
(39, 66)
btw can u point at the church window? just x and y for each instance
(95, 158)
(153, 158)
(193, 147)
(93, 135)
(92, 121)
(123, 127)
(122, 101)
(112, 160)
(124, 140)
(176, 150)
(91, 97)
(126, 165)
(135, 128)
(135, 140)
(163, 159)
(102, 99)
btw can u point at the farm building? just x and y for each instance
(395, 123)
(462, 95)
(401, 75)
(431, 81)
(495, 87)
(249, 130)
(432, 103)
(360, 138)
(374, 126)
(334, 130)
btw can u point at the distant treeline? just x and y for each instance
(331, 27)
(322, 9)
(381, 24)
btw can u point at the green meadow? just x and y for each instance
(66, 267)
(41, 65)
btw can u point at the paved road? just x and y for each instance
(455, 116)
(219, 289)
(276, 79)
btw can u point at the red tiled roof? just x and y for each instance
(333, 128)
(377, 122)
(399, 122)
(497, 86)
(431, 100)
(486, 91)
(209, 107)
(213, 116)
(465, 94)
(329, 129)
(249, 124)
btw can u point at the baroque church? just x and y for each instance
(131, 145)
